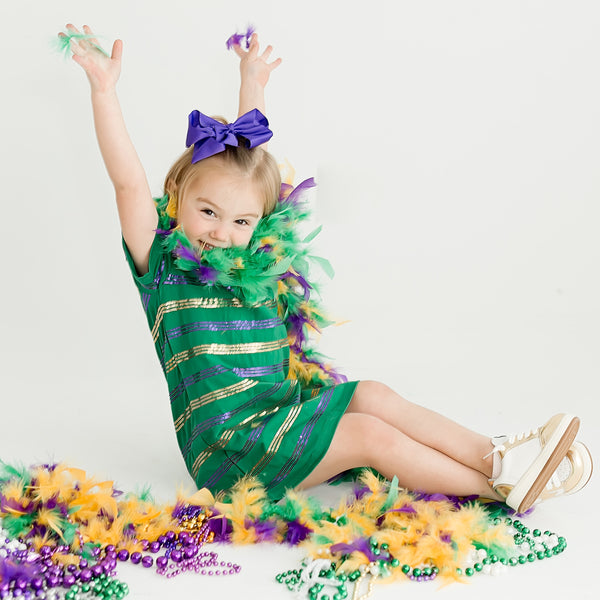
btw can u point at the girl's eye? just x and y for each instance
(242, 222)
(208, 212)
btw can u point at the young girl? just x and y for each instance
(219, 268)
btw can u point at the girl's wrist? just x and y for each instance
(103, 93)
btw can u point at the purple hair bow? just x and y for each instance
(210, 137)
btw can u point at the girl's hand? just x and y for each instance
(255, 68)
(102, 70)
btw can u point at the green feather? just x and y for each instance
(8, 472)
(62, 43)
(392, 495)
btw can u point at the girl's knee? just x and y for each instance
(366, 393)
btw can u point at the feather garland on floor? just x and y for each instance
(60, 513)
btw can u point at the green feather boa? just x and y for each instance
(274, 266)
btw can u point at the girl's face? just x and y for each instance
(220, 207)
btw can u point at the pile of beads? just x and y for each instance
(29, 575)
(314, 578)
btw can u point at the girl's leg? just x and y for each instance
(423, 426)
(362, 440)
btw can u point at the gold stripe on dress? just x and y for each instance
(276, 442)
(277, 439)
(175, 305)
(236, 388)
(218, 445)
(224, 349)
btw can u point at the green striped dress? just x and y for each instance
(235, 412)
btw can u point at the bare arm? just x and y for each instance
(255, 72)
(137, 213)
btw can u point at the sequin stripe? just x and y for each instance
(145, 300)
(258, 371)
(276, 441)
(218, 445)
(225, 392)
(221, 418)
(231, 462)
(175, 305)
(195, 378)
(249, 372)
(240, 325)
(302, 439)
(224, 350)
(250, 442)
(159, 273)
(175, 279)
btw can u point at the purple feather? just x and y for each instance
(220, 527)
(306, 287)
(297, 192)
(456, 501)
(207, 274)
(360, 491)
(361, 545)
(11, 570)
(237, 38)
(296, 532)
(286, 188)
(266, 531)
(446, 538)
(37, 530)
(407, 508)
(11, 505)
(50, 466)
(185, 253)
(163, 232)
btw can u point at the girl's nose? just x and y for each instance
(219, 234)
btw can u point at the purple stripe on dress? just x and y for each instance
(250, 443)
(145, 301)
(226, 466)
(159, 273)
(259, 371)
(195, 378)
(303, 439)
(175, 279)
(251, 372)
(220, 419)
(240, 325)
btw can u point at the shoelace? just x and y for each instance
(511, 439)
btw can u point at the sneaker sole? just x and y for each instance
(534, 480)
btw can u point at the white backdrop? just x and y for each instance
(456, 148)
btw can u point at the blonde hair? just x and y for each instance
(255, 162)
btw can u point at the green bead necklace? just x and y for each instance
(322, 579)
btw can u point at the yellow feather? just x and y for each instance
(287, 172)
(202, 497)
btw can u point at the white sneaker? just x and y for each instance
(524, 463)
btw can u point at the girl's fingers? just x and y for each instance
(117, 50)
(88, 31)
(239, 51)
(267, 53)
(76, 48)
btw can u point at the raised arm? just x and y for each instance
(137, 213)
(255, 72)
